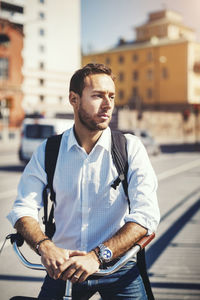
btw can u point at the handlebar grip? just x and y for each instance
(143, 242)
(18, 238)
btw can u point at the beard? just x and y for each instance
(88, 122)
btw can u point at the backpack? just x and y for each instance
(120, 159)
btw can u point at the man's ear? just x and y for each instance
(73, 98)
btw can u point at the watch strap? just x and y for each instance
(97, 253)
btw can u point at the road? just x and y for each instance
(173, 257)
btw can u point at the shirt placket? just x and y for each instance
(85, 206)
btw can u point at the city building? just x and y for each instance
(51, 51)
(160, 69)
(11, 96)
(157, 77)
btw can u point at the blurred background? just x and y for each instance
(153, 48)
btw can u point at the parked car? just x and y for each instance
(34, 131)
(153, 148)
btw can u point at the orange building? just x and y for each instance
(160, 69)
(11, 44)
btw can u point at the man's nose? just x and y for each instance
(106, 101)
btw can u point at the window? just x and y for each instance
(37, 131)
(196, 67)
(41, 98)
(41, 48)
(121, 59)
(135, 75)
(41, 31)
(135, 57)
(165, 74)
(41, 65)
(4, 40)
(4, 65)
(121, 94)
(121, 76)
(11, 8)
(5, 105)
(149, 56)
(41, 81)
(149, 93)
(41, 15)
(135, 91)
(150, 74)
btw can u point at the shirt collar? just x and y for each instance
(72, 140)
(104, 140)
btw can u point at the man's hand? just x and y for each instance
(53, 258)
(79, 266)
(67, 264)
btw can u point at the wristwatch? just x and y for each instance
(105, 254)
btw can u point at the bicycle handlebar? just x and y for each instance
(143, 242)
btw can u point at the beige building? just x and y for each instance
(161, 66)
(51, 51)
(160, 70)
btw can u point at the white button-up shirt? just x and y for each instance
(88, 210)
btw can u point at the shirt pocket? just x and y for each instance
(113, 196)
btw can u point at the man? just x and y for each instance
(89, 214)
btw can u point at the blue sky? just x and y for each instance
(103, 22)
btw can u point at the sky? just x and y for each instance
(103, 22)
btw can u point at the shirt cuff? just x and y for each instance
(15, 215)
(150, 225)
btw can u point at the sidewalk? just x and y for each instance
(9, 146)
(174, 264)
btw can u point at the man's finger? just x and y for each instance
(76, 253)
(68, 273)
(76, 276)
(50, 271)
(83, 277)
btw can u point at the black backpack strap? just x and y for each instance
(120, 159)
(51, 155)
(142, 266)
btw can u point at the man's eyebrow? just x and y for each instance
(102, 92)
(98, 91)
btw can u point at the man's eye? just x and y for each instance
(97, 96)
(112, 97)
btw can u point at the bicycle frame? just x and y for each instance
(101, 272)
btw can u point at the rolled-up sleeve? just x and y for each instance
(142, 187)
(29, 195)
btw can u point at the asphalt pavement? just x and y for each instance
(173, 257)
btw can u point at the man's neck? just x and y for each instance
(87, 138)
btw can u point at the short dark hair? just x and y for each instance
(77, 81)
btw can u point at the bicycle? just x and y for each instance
(17, 241)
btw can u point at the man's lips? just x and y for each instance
(104, 116)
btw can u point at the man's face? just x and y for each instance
(97, 102)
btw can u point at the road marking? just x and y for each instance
(179, 169)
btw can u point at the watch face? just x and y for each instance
(107, 254)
